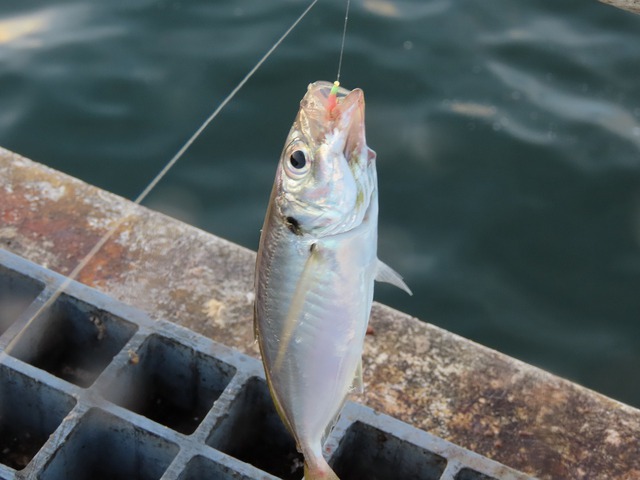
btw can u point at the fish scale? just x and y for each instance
(316, 266)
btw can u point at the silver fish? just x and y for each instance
(316, 266)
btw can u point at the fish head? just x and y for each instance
(326, 178)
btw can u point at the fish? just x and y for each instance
(316, 266)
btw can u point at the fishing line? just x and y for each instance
(344, 36)
(332, 101)
(129, 211)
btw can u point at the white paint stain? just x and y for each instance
(213, 309)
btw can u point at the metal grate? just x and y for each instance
(94, 389)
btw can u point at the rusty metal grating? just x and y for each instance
(94, 389)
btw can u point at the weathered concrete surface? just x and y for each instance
(629, 5)
(463, 392)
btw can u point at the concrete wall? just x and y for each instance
(463, 392)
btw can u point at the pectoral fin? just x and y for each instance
(388, 275)
(309, 272)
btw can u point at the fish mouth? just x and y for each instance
(318, 93)
(340, 118)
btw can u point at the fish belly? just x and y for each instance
(311, 357)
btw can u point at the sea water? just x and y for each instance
(507, 133)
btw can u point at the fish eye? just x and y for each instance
(298, 160)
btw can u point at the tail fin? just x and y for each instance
(317, 468)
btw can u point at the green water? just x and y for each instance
(508, 140)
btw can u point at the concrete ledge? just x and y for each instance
(632, 6)
(470, 395)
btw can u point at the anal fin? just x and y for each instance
(358, 384)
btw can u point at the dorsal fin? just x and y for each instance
(388, 275)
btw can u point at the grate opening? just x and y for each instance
(367, 453)
(468, 474)
(173, 378)
(16, 293)
(170, 384)
(74, 341)
(253, 432)
(201, 468)
(29, 412)
(105, 447)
